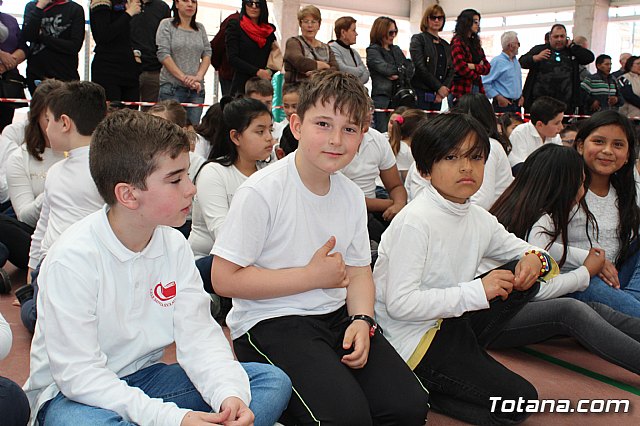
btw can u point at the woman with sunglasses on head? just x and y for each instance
(469, 61)
(305, 54)
(388, 66)
(431, 58)
(185, 54)
(249, 41)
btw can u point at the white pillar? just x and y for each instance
(415, 13)
(286, 18)
(590, 20)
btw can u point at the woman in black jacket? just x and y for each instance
(389, 68)
(249, 41)
(431, 58)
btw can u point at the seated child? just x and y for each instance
(506, 123)
(260, 89)
(294, 255)
(125, 281)
(374, 159)
(288, 143)
(290, 97)
(427, 261)
(73, 112)
(545, 124)
(401, 128)
(568, 135)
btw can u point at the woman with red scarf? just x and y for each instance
(249, 41)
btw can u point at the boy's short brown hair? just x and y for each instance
(125, 147)
(258, 85)
(84, 102)
(345, 91)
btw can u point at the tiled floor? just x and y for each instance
(552, 381)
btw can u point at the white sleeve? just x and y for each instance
(518, 148)
(202, 349)
(35, 251)
(26, 204)
(212, 198)
(387, 159)
(539, 237)
(5, 337)
(504, 246)
(408, 299)
(78, 365)
(576, 280)
(503, 175)
(7, 148)
(414, 183)
(484, 197)
(203, 147)
(404, 159)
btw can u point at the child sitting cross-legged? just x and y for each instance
(294, 254)
(432, 309)
(120, 285)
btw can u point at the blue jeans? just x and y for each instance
(270, 392)
(184, 95)
(626, 299)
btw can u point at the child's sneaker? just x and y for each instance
(5, 282)
(24, 293)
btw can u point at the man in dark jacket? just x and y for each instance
(554, 70)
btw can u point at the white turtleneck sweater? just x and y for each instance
(427, 262)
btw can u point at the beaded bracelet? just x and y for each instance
(373, 325)
(544, 259)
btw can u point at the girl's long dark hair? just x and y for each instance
(33, 134)
(463, 27)
(623, 181)
(236, 115)
(547, 183)
(479, 107)
(176, 16)
(210, 123)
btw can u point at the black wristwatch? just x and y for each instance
(373, 325)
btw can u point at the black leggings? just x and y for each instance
(16, 236)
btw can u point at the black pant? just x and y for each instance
(461, 376)
(326, 391)
(16, 236)
(14, 405)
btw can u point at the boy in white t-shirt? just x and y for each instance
(294, 255)
(545, 125)
(120, 285)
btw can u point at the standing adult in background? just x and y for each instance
(600, 88)
(12, 52)
(469, 61)
(431, 58)
(554, 70)
(630, 87)
(185, 54)
(219, 59)
(582, 41)
(348, 59)
(143, 41)
(305, 54)
(504, 82)
(623, 61)
(248, 41)
(114, 66)
(388, 67)
(54, 30)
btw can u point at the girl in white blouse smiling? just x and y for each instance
(427, 261)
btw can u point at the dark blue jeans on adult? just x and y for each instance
(270, 392)
(182, 94)
(28, 313)
(625, 299)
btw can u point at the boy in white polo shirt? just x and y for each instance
(294, 255)
(121, 285)
(545, 125)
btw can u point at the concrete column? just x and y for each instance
(590, 20)
(415, 13)
(286, 19)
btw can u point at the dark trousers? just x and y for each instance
(16, 236)
(118, 92)
(426, 101)
(461, 376)
(14, 405)
(149, 86)
(327, 392)
(509, 108)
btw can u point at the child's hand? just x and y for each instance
(594, 261)
(356, 336)
(498, 283)
(391, 212)
(609, 274)
(527, 271)
(327, 270)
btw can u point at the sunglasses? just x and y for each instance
(393, 33)
(436, 18)
(252, 3)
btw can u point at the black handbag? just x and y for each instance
(12, 86)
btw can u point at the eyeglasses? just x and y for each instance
(309, 21)
(252, 3)
(392, 33)
(436, 18)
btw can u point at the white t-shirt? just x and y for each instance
(216, 185)
(404, 158)
(375, 154)
(275, 222)
(105, 312)
(606, 215)
(427, 261)
(278, 128)
(26, 177)
(10, 140)
(69, 195)
(203, 146)
(524, 140)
